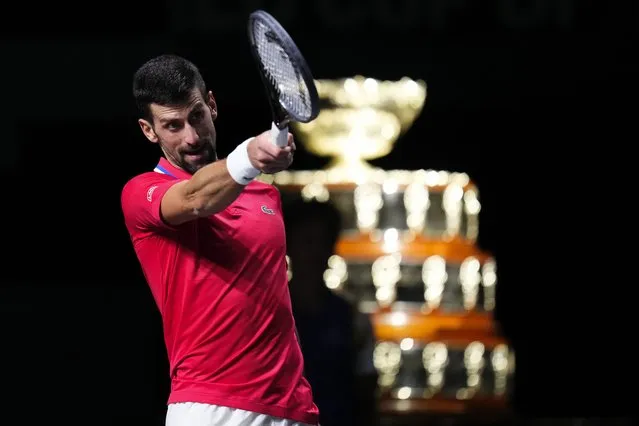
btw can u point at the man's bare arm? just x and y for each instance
(214, 187)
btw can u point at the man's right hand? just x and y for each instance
(268, 157)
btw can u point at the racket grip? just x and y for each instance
(279, 137)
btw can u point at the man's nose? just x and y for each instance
(190, 135)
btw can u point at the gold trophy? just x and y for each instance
(363, 119)
(407, 254)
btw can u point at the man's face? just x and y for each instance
(186, 133)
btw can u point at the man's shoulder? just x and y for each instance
(143, 181)
(141, 187)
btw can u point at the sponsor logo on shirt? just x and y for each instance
(149, 193)
(267, 210)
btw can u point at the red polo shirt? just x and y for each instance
(221, 286)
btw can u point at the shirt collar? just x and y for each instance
(167, 168)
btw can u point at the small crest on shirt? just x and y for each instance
(267, 210)
(149, 193)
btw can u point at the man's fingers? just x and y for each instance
(276, 165)
(273, 151)
(269, 158)
(269, 150)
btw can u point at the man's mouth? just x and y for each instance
(200, 151)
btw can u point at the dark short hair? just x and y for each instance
(299, 212)
(165, 80)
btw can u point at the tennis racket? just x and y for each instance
(286, 76)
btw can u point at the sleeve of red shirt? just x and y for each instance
(141, 198)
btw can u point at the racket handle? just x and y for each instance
(279, 137)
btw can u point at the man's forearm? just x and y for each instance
(212, 189)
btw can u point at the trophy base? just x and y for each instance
(460, 366)
(447, 411)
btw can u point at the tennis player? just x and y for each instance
(211, 243)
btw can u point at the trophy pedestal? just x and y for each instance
(407, 257)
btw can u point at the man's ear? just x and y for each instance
(212, 105)
(148, 131)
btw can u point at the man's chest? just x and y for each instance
(252, 224)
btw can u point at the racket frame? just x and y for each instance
(281, 115)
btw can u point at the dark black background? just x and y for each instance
(536, 110)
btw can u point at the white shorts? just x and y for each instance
(196, 414)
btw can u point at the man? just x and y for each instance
(337, 340)
(211, 243)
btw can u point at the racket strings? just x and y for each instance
(282, 72)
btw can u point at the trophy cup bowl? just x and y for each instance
(361, 119)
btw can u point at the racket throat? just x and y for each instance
(280, 118)
(281, 123)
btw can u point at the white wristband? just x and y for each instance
(239, 165)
